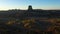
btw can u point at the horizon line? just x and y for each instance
(27, 9)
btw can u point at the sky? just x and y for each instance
(23, 4)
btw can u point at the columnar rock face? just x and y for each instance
(30, 7)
